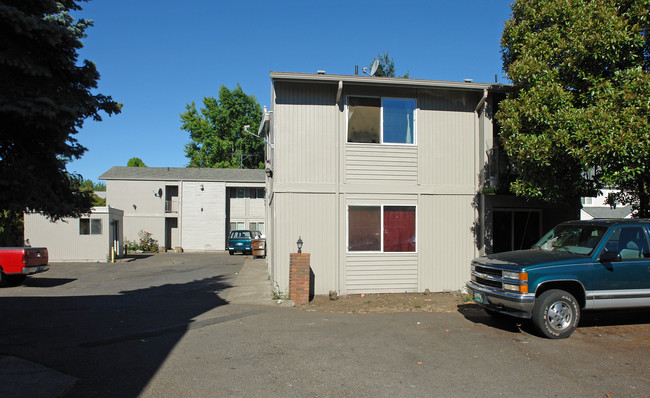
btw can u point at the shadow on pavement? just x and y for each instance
(113, 344)
(41, 282)
(476, 314)
(636, 316)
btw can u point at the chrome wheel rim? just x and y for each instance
(559, 315)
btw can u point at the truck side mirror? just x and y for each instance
(609, 257)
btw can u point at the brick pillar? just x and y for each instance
(299, 277)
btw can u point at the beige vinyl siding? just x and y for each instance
(376, 162)
(446, 138)
(143, 211)
(306, 123)
(381, 273)
(257, 208)
(238, 208)
(312, 218)
(65, 243)
(447, 224)
(204, 221)
(317, 174)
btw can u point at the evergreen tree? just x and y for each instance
(45, 96)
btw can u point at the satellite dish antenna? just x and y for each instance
(373, 68)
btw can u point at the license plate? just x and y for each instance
(239, 244)
(478, 297)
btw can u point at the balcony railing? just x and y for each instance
(171, 206)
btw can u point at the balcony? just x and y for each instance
(171, 206)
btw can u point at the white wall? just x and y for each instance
(143, 211)
(203, 222)
(63, 240)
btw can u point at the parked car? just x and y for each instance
(578, 265)
(247, 241)
(18, 262)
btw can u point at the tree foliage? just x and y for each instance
(135, 162)
(45, 96)
(217, 137)
(386, 66)
(579, 117)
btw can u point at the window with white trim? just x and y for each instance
(381, 120)
(89, 226)
(381, 229)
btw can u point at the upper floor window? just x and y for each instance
(381, 120)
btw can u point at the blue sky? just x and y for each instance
(156, 56)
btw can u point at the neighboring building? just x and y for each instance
(597, 207)
(192, 208)
(386, 181)
(89, 238)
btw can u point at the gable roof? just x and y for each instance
(183, 174)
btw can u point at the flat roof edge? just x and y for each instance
(368, 80)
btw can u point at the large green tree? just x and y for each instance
(45, 96)
(135, 162)
(217, 136)
(386, 66)
(579, 117)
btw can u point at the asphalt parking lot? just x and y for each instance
(171, 325)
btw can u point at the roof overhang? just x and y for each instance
(358, 80)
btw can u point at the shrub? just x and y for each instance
(145, 244)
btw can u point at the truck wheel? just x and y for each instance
(231, 252)
(556, 314)
(15, 280)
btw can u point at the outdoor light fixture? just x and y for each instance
(299, 243)
(202, 187)
(134, 207)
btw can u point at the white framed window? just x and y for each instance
(236, 225)
(89, 226)
(381, 120)
(385, 228)
(257, 226)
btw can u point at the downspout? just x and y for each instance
(481, 131)
(339, 263)
(339, 92)
(482, 101)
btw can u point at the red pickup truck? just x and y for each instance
(18, 262)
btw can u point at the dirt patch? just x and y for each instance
(387, 303)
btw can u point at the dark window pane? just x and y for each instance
(364, 119)
(84, 226)
(399, 229)
(364, 223)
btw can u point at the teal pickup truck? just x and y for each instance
(578, 265)
(246, 241)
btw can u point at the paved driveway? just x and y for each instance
(163, 327)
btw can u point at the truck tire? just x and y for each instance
(556, 314)
(15, 280)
